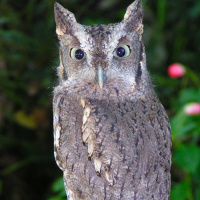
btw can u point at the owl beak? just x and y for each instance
(100, 77)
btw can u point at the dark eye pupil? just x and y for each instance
(79, 54)
(120, 52)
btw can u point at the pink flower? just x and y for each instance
(176, 70)
(192, 109)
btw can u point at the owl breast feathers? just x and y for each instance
(112, 136)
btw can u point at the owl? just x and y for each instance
(112, 137)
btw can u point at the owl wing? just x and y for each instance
(71, 153)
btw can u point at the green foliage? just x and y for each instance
(184, 126)
(187, 158)
(186, 150)
(28, 56)
(181, 191)
(59, 190)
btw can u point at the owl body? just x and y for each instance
(111, 134)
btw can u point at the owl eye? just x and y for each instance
(77, 54)
(122, 51)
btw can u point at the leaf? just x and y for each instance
(187, 157)
(195, 10)
(181, 191)
(177, 123)
(58, 185)
(57, 198)
(25, 120)
(58, 188)
(197, 193)
(183, 124)
(189, 95)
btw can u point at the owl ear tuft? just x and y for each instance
(65, 20)
(134, 16)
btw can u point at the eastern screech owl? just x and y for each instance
(111, 134)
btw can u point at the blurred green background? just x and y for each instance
(28, 58)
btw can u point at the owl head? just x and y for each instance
(103, 56)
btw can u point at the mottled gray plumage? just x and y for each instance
(111, 134)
